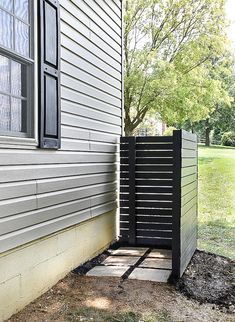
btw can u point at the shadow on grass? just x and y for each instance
(204, 160)
(219, 223)
(86, 314)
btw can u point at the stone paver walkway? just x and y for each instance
(136, 263)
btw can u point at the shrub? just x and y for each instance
(169, 131)
(228, 139)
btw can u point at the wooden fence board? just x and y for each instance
(147, 211)
(185, 185)
(147, 196)
(139, 139)
(143, 189)
(148, 226)
(148, 168)
(149, 161)
(148, 219)
(152, 147)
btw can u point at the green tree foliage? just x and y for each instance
(169, 131)
(170, 49)
(228, 139)
(222, 117)
(219, 121)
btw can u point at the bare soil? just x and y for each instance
(103, 299)
(209, 278)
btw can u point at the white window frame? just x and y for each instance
(17, 141)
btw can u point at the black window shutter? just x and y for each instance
(49, 74)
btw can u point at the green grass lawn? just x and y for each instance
(217, 200)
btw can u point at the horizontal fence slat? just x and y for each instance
(189, 153)
(188, 171)
(148, 154)
(187, 232)
(148, 189)
(148, 233)
(154, 233)
(144, 241)
(147, 196)
(152, 146)
(148, 168)
(146, 175)
(148, 146)
(188, 162)
(189, 145)
(189, 196)
(147, 211)
(187, 218)
(148, 204)
(149, 182)
(189, 136)
(149, 161)
(140, 139)
(189, 179)
(153, 175)
(154, 154)
(149, 219)
(185, 208)
(188, 188)
(148, 226)
(188, 252)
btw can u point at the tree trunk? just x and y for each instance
(208, 131)
(128, 132)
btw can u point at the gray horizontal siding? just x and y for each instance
(90, 69)
(115, 6)
(28, 157)
(29, 172)
(44, 191)
(82, 99)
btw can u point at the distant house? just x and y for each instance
(60, 121)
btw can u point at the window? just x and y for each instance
(16, 68)
(19, 84)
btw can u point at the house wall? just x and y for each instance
(43, 192)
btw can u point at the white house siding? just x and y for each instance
(43, 191)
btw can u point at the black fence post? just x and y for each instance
(132, 214)
(176, 206)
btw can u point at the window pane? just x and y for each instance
(6, 28)
(5, 113)
(18, 115)
(22, 9)
(7, 4)
(4, 74)
(18, 79)
(21, 38)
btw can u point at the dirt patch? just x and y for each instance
(83, 298)
(105, 299)
(209, 278)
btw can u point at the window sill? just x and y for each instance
(9, 142)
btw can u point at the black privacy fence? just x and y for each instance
(158, 194)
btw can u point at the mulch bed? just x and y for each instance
(209, 278)
(83, 269)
